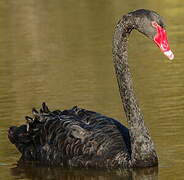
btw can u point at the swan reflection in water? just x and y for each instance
(36, 171)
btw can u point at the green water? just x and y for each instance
(59, 51)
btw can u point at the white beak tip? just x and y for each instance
(169, 54)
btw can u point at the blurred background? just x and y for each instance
(59, 52)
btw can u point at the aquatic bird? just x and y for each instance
(83, 138)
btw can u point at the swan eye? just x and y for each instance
(154, 24)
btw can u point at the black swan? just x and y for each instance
(83, 138)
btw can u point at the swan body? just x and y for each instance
(75, 137)
(83, 138)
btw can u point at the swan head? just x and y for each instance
(152, 25)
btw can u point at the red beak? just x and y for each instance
(161, 41)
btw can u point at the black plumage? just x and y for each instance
(82, 138)
(72, 138)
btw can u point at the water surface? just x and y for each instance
(60, 52)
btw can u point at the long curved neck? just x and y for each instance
(143, 153)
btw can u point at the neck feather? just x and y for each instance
(143, 153)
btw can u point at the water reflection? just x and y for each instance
(35, 171)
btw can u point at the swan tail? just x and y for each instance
(25, 137)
